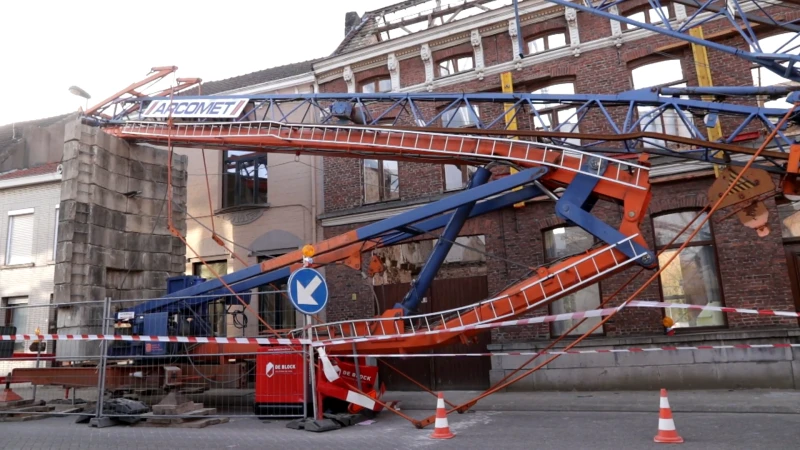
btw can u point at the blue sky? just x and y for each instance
(103, 46)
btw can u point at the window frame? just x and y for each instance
(466, 173)
(780, 202)
(764, 101)
(646, 8)
(265, 291)
(375, 81)
(220, 304)
(457, 111)
(238, 161)
(552, 111)
(10, 233)
(658, 248)
(454, 59)
(600, 332)
(382, 194)
(197, 266)
(55, 234)
(546, 35)
(675, 83)
(8, 317)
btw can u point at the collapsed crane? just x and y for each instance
(574, 169)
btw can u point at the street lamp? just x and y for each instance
(75, 90)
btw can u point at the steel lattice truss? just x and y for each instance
(745, 17)
(599, 123)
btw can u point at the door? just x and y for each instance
(440, 373)
(420, 369)
(463, 372)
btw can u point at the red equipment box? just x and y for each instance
(279, 380)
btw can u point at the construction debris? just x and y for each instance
(176, 404)
(25, 410)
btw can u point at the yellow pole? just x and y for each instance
(703, 70)
(511, 119)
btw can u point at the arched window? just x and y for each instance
(780, 43)
(693, 277)
(559, 243)
(649, 15)
(544, 42)
(556, 116)
(667, 73)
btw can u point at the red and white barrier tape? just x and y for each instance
(280, 341)
(561, 317)
(183, 339)
(584, 352)
(761, 312)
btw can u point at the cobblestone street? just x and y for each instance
(482, 429)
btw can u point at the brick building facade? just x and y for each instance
(566, 53)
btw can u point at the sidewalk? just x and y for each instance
(722, 401)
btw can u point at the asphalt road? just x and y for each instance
(482, 429)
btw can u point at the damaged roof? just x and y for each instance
(253, 78)
(13, 132)
(407, 17)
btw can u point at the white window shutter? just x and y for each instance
(20, 240)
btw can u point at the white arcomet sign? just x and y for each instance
(207, 108)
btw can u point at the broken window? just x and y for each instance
(661, 74)
(457, 177)
(556, 116)
(654, 16)
(245, 179)
(543, 43)
(560, 243)
(692, 277)
(455, 64)
(781, 43)
(381, 181)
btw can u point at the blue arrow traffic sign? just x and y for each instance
(308, 291)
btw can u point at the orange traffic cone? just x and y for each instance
(7, 395)
(666, 426)
(441, 429)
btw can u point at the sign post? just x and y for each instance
(308, 293)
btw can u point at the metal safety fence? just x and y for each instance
(206, 379)
(180, 365)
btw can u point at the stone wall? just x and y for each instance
(113, 239)
(731, 368)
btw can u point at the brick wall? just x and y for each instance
(753, 271)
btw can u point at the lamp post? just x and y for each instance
(75, 90)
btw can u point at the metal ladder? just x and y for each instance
(395, 140)
(459, 319)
